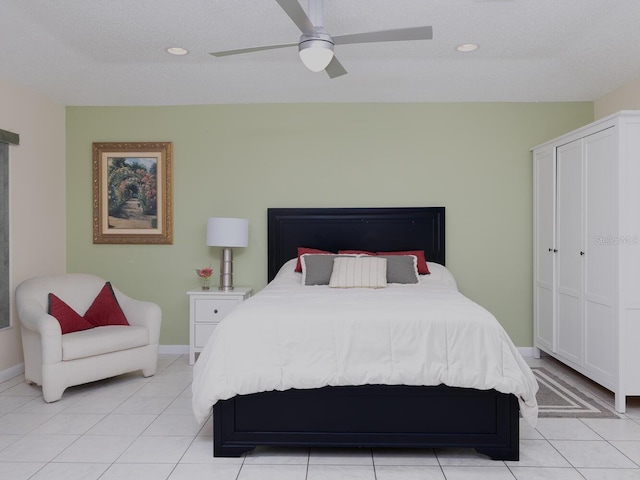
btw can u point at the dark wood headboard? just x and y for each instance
(372, 229)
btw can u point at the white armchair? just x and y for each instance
(58, 361)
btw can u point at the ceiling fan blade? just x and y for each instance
(397, 34)
(297, 14)
(252, 49)
(335, 68)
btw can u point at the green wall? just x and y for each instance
(238, 160)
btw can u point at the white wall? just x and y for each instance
(626, 97)
(37, 199)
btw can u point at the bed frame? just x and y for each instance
(369, 415)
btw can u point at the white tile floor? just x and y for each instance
(134, 427)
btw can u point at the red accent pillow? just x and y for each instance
(356, 252)
(302, 251)
(68, 318)
(105, 309)
(422, 261)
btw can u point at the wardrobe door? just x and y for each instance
(544, 217)
(600, 257)
(569, 244)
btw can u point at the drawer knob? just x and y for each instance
(215, 311)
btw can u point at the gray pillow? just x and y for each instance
(317, 268)
(402, 268)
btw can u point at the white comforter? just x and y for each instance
(295, 336)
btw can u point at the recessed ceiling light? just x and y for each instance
(177, 51)
(467, 47)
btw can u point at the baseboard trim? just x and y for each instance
(525, 351)
(11, 372)
(173, 349)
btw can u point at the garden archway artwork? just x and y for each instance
(132, 196)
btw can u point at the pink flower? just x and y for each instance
(205, 272)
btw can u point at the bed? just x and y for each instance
(367, 413)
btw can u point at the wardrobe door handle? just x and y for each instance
(581, 253)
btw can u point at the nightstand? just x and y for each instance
(206, 309)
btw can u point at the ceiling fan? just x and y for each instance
(316, 45)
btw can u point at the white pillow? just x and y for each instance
(359, 272)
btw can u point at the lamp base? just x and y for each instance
(226, 270)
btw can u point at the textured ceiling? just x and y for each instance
(112, 52)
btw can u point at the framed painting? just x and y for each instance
(132, 193)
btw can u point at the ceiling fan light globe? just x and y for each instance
(316, 54)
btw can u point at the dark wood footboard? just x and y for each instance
(370, 416)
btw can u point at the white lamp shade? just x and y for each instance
(227, 232)
(316, 54)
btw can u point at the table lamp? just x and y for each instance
(227, 233)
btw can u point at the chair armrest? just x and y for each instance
(34, 318)
(145, 314)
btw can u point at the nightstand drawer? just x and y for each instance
(213, 310)
(202, 333)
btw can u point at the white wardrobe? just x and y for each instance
(587, 252)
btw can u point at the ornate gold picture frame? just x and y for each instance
(132, 193)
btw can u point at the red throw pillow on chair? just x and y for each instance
(105, 309)
(68, 318)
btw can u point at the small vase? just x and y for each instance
(205, 283)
